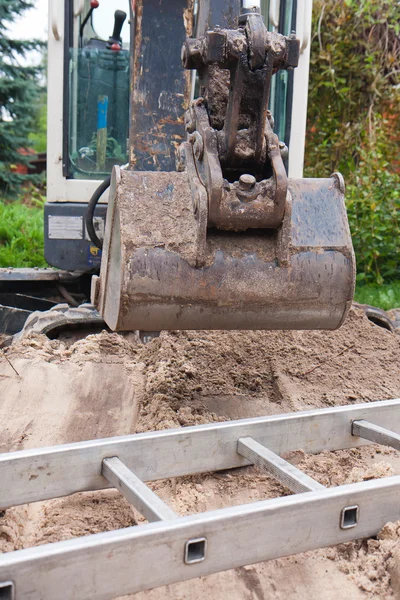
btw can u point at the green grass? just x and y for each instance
(384, 296)
(21, 235)
(38, 137)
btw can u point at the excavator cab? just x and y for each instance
(98, 97)
(88, 120)
(226, 240)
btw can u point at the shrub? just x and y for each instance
(19, 97)
(353, 122)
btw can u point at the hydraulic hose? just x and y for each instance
(90, 212)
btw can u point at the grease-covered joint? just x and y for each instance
(230, 131)
(225, 47)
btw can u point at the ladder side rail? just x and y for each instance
(115, 563)
(35, 475)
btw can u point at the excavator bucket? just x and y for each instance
(227, 241)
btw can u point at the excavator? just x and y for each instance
(206, 228)
(224, 239)
(205, 221)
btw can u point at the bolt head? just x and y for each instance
(246, 181)
(284, 150)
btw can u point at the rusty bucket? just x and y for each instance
(162, 270)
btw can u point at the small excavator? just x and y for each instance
(227, 240)
(208, 225)
(216, 236)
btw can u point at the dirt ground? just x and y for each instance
(108, 384)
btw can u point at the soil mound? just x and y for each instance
(109, 384)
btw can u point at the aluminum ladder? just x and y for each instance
(171, 548)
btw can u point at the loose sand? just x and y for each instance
(108, 384)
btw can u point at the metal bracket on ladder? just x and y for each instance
(174, 548)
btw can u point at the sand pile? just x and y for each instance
(108, 384)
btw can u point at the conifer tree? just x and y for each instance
(19, 92)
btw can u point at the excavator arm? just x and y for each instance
(227, 241)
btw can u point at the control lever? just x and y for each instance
(115, 41)
(93, 5)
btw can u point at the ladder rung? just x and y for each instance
(135, 491)
(283, 471)
(376, 434)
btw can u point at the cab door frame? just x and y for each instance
(62, 14)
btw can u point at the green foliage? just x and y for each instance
(373, 201)
(19, 92)
(354, 122)
(38, 137)
(384, 296)
(21, 232)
